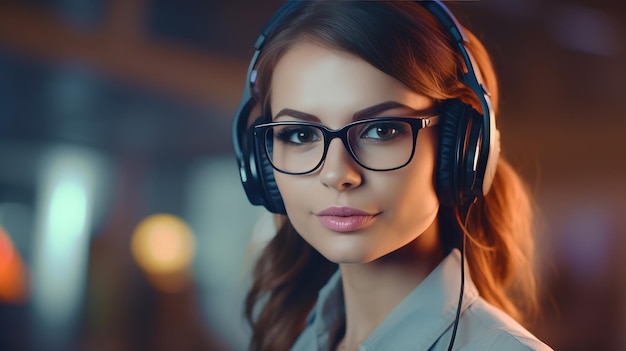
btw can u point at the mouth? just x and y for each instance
(344, 219)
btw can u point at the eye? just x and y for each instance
(383, 131)
(297, 135)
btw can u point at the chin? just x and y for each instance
(349, 255)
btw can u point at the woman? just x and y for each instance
(373, 140)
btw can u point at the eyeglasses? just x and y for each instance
(377, 144)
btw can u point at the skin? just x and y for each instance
(387, 258)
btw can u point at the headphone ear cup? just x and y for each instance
(452, 135)
(243, 139)
(271, 195)
(256, 172)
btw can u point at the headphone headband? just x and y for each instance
(486, 157)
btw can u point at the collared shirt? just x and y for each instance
(424, 319)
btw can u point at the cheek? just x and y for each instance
(298, 200)
(415, 188)
(293, 192)
(285, 186)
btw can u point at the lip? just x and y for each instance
(344, 219)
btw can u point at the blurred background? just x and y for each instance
(123, 224)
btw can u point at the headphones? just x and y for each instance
(469, 143)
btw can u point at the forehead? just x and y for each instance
(333, 84)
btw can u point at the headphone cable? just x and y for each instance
(462, 289)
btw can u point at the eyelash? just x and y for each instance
(286, 134)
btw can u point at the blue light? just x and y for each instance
(70, 181)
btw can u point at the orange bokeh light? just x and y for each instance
(163, 245)
(13, 286)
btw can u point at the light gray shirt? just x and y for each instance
(424, 319)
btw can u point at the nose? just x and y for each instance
(340, 171)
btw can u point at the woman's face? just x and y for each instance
(346, 212)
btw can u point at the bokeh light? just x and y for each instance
(13, 288)
(163, 245)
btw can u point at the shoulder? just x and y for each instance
(485, 327)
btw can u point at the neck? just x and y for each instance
(373, 289)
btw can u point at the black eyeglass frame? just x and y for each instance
(416, 124)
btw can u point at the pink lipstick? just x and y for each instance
(344, 219)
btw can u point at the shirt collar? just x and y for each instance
(421, 318)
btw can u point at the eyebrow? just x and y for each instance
(362, 114)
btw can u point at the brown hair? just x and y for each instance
(406, 42)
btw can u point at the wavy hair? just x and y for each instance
(405, 41)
